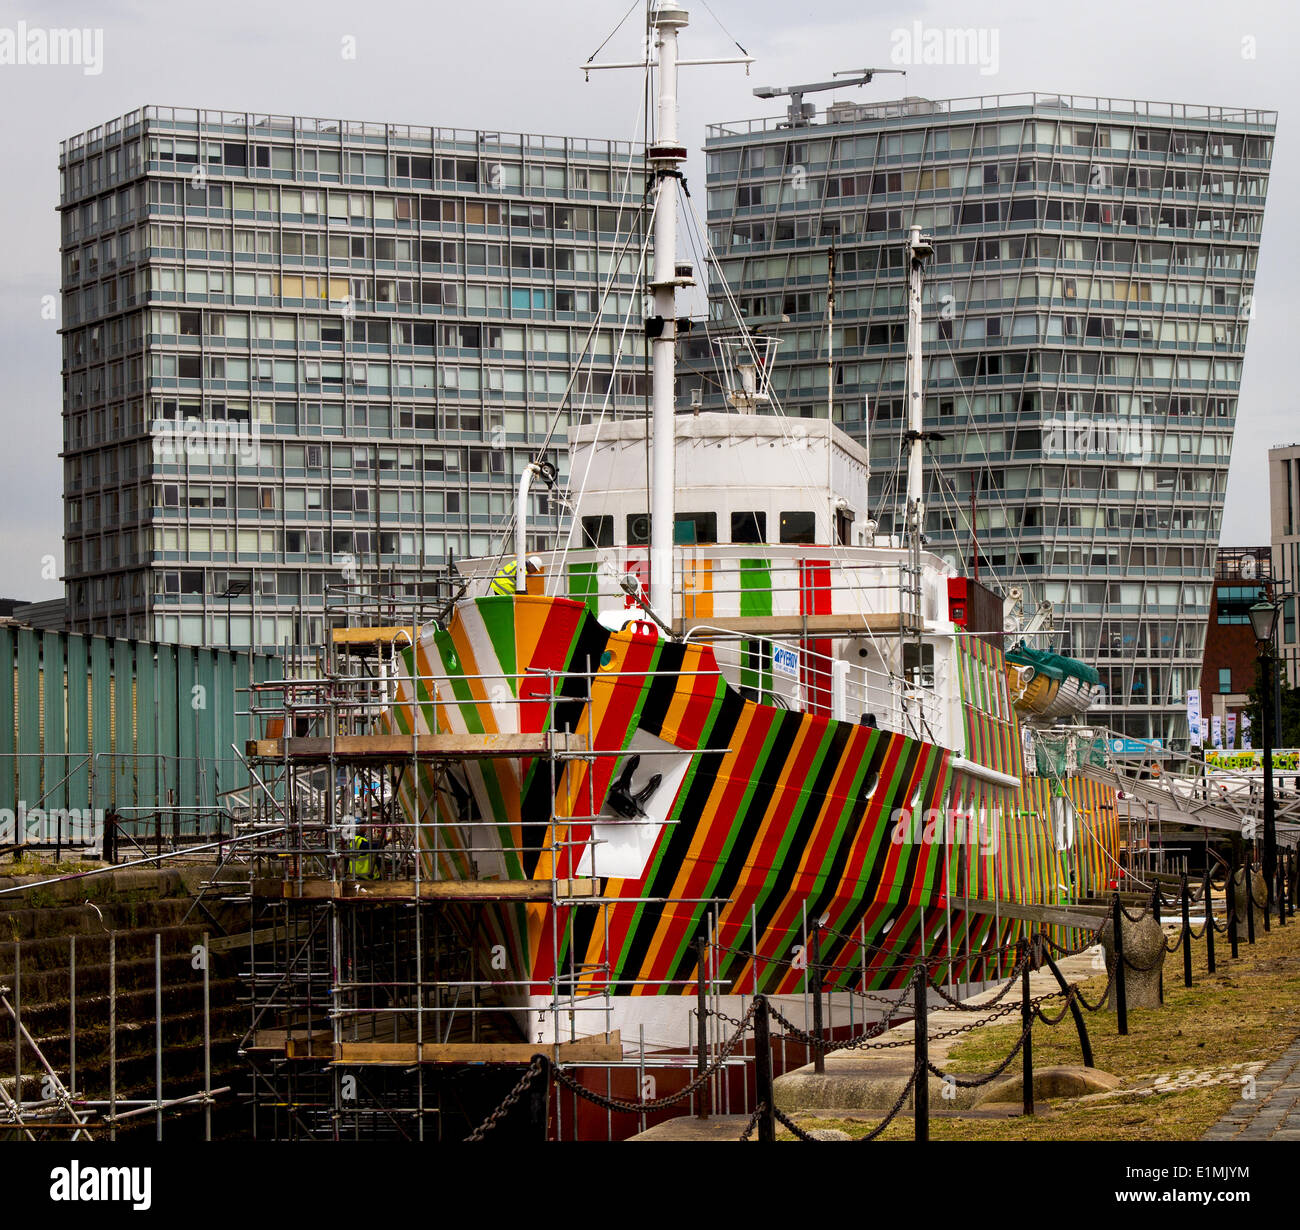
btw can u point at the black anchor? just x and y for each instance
(621, 799)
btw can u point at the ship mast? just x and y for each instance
(665, 158)
(918, 248)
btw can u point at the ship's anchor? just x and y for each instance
(623, 801)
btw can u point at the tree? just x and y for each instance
(1289, 728)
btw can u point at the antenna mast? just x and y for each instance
(918, 249)
(665, 157)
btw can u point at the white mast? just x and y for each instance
(918, 249)
(665, 158)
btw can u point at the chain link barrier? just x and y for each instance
(640, 1107)
(538, 1065)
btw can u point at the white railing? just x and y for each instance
(792, 676)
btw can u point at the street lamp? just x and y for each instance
(1263, 621)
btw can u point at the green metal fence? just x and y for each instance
(145, 729)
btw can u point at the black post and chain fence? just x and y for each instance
(918, 988)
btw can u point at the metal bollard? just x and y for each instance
(1250, 902)
(702, 1027)
(1187, 933)
(1121, 999)
(763, 1070)
(921, 1043)
(1085, 1044)
(1232, 908)
(1209, 919)
(1027, 1027)
(815, 984)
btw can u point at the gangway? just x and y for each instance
(1172, 789)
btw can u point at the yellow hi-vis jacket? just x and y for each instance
(504, 584)
(361, 866)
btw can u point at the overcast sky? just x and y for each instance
(514, 66)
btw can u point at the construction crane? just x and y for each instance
(801, 114)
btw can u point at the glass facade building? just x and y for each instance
(1085, 323)
(1284, 537)
(297, 351)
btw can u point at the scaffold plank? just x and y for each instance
(385, 748)
(608, 1048)
(796, 625)
(378, 891)
(373, 636)
(294, 1043)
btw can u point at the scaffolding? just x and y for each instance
(375, 1011)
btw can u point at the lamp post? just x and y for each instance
(1263, 621)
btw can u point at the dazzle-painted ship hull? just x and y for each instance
(761, 819)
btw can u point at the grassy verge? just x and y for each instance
(1248, 1011)
(30, 866)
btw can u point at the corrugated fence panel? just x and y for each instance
(123, 759)
(187, 721)
(205, 675)
(146, 728)
(169, 718)
(230, 771)
(78, 724)
(55, 793)
(8, 765)
(96, 722)
(29, 717)
(101, 722)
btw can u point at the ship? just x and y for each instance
(762, 736)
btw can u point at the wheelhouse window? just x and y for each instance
(748, 527)
(798, 527)
(692, 528)
(598, 531)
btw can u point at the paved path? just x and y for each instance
(1274, 1112)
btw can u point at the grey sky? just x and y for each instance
(514, 66)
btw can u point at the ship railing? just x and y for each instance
(774, 672)
(744, 581)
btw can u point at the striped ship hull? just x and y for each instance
(762, 820)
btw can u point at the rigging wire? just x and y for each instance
(586, 352)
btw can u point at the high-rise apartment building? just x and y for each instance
(299, 351)
(1086, 314)
(1284, 518)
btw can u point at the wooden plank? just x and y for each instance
(376, 891)
(373, 636)
(798, 625)
(1057, 915)
(607, 1048)
(307, 750)
(230, 943)
(296, 1043)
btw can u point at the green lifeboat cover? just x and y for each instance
(1053, 665)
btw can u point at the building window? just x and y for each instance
(1225, 680)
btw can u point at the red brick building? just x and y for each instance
(1242, 575)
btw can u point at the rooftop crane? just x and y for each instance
(801, 114)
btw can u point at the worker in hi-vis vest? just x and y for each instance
(361, 866)
(503, 584)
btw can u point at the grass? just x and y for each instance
(1248, 1011)
(32, 866)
